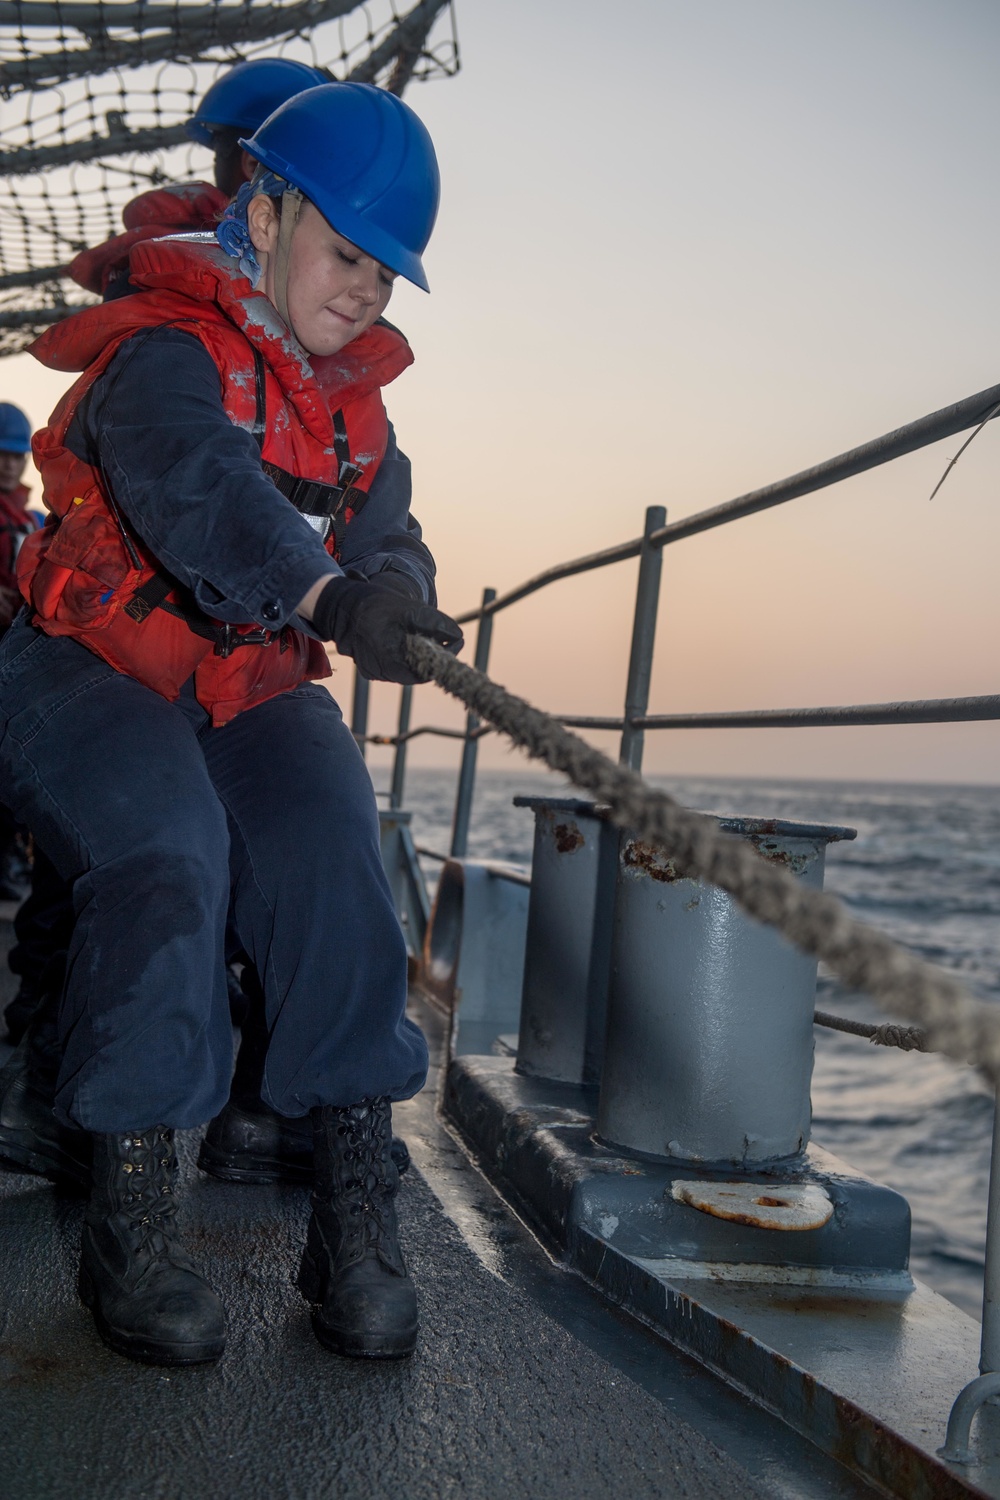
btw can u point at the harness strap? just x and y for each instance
(342, 448)
(313, 498)
(325, 506)
(259, 429)
(153, 595)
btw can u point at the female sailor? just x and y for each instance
(208, 477)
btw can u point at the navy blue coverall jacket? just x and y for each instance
(165, 824)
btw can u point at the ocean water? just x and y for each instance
(925, 868)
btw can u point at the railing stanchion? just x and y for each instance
(359, 709)
(399, 763)
(467, 774)
(989, 1359)
(987, 1384)
(640, 665)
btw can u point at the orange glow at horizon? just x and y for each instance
(684, 252)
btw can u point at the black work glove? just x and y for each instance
(371, 624)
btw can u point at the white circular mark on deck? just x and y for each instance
(796, 1205)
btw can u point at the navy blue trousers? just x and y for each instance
(165, 824)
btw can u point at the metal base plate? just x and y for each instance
(836, 1337)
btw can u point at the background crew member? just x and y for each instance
(234, 106)
(16, 522)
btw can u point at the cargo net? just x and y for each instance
(94, 95)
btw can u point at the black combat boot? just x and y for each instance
(352, 1266)
(255, 1145)
(248, 1142)
(31, 1138)
(148, 1300)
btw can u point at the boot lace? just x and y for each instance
(363, 1190)
(147, 1165)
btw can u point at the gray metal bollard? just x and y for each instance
(709, 1047)
(568, 950)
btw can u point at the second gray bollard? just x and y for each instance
(709, 1048)
(568, 949)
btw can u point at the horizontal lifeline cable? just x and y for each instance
(955, 1023)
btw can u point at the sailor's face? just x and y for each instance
(334, 290)
(12, 466)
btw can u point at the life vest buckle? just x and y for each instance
(227, 638)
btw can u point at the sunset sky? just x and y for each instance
(685, 250)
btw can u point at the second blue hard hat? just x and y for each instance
(15, 429)
(244, 96)
(366, 161)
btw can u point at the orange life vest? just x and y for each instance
(170, 209)
(323, 432)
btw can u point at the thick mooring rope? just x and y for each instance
(955, 1023)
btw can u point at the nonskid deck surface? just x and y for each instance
(524, 1383)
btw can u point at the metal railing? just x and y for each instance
(635, 720)
(648, 548)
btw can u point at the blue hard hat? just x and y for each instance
(15, 429)
(366, 161)
(244, 97)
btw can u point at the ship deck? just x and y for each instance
(525, 1382)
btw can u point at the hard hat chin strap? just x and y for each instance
(291, 204)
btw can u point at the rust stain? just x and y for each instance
(20, 1366)
(775, 856)
(652, 861)
(568, 838)
(891, 1459)
(738, 1218)
(31, 1366)
(828, 1303)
